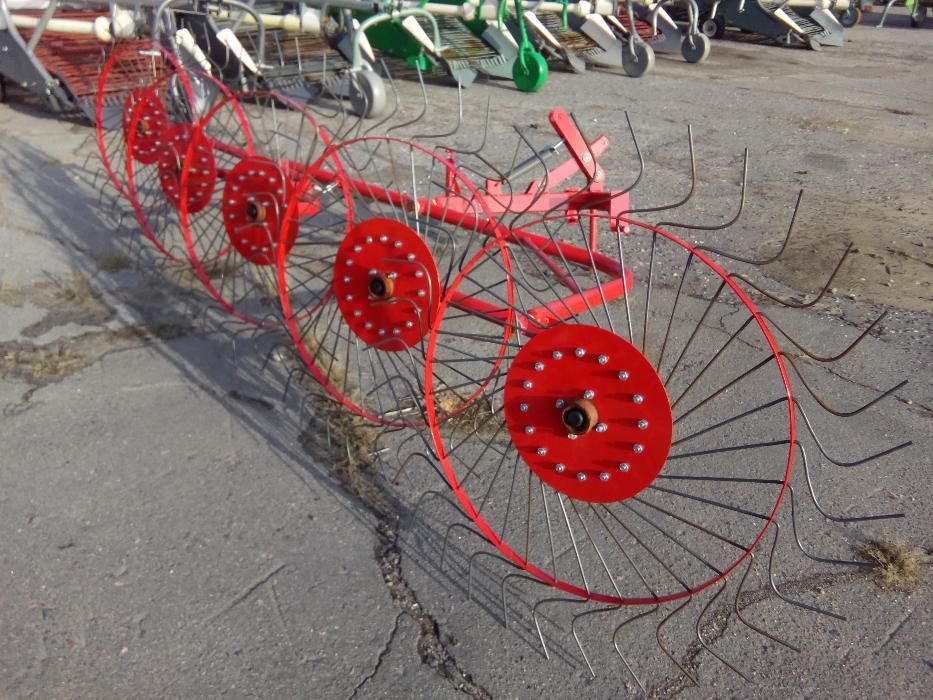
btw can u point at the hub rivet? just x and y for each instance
(419, 274)
(539, 366)
(623, 375)
(581, 476)
(410, 257)
(560, 403)
(623, 466)
(529, 430)
(349, 297)
(523, 407)
(642, 424)
(357, 248)
(602, 359)
(346, 279)
(557, 354)
(559, 467)
(372, 273)
(579, 352)
(398, 244)
(367, 325)
(369, 239)
(639, 448)
(527, 384)
(601, 427)
(395, 331)
(542, 451)
(383, 238)
(349, 263)
(604, 476)
(409, 324)
(638, 398)
(588, 394)
(382, 331)
(420, 292)
(357, 313)
(572, 436)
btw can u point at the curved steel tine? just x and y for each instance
(625, 190)
(702, 641)
(829, 409)
(424, 106)
(766, 261)
(503, 586)
(791, 304)
(826, 358)
(576, 637)
(808, 555)
(482, 144)
(830, 516)
(534, 616)
(473, 556)
(615, 643)
(430, 492)
(542, 181)
(398, 101)
(693, 183)
(777, 591)
(288, 381)
(276, 348)
(718, 227)
(407, 461)
(454, 526)
(457, 126)
(840, 463)
(738, 610)
(657, 634)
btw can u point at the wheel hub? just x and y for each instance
(202, 170)
(588, 413)
(255, 194)
(386, 284)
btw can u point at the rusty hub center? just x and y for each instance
(386, 284)
(588, 413)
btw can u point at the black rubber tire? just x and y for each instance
(697, 50)
(641, 63)
(850, 17)
(367, 94)
(919, 15)
(713, 28)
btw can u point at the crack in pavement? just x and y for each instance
(380, 657)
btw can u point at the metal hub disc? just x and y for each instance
(588, 413)
(151, 117)
(255, 194)
(202, 171)
(386, 284)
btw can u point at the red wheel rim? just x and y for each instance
(610, 554)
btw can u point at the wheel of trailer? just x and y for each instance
(241, 164)
(360, 285)
(530, 71)
(627, 428)
(367, 93)
(850, 17)
(714, 28)
(637, 58)
(919, 14)
(814, 44)
(695, 48)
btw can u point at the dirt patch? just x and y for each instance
(891, 262)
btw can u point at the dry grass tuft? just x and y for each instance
(113, 262)
(899, 566)
(42, 365)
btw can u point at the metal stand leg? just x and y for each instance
(885, 13)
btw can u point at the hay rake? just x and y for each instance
(615, 409)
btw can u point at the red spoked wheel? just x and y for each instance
(362, 282)
(240, 168)
(158, 130)
(131, 70)
(641, 434)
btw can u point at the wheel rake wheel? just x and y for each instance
(635, 451)
(129, 74)
(361, 284)
(241, 165)
(158, 129)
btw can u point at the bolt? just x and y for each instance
(623, 466)
(579, 352)
(557, 354)
(420, 292)
(559, 467)
(419, 274)
(588, 394)
(369, 239)
(529, 430)
(395, 331)
(523, 407)
(638, 398)
(572, 436)
(383, 239)
(601, 427)
(602, 359)
(410, 257)
(539, 366)
(639, 448)
(367, 325)
(604, 476)
(397, 244)
(642, 424)
(581, 476)
(527, 384)
(346, 279)
(542, 451)
(409, 324)
(560, 403)
(623, 375)
(382, 331)
(357, 313)
(349, 297)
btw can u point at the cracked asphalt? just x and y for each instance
(175, 526)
